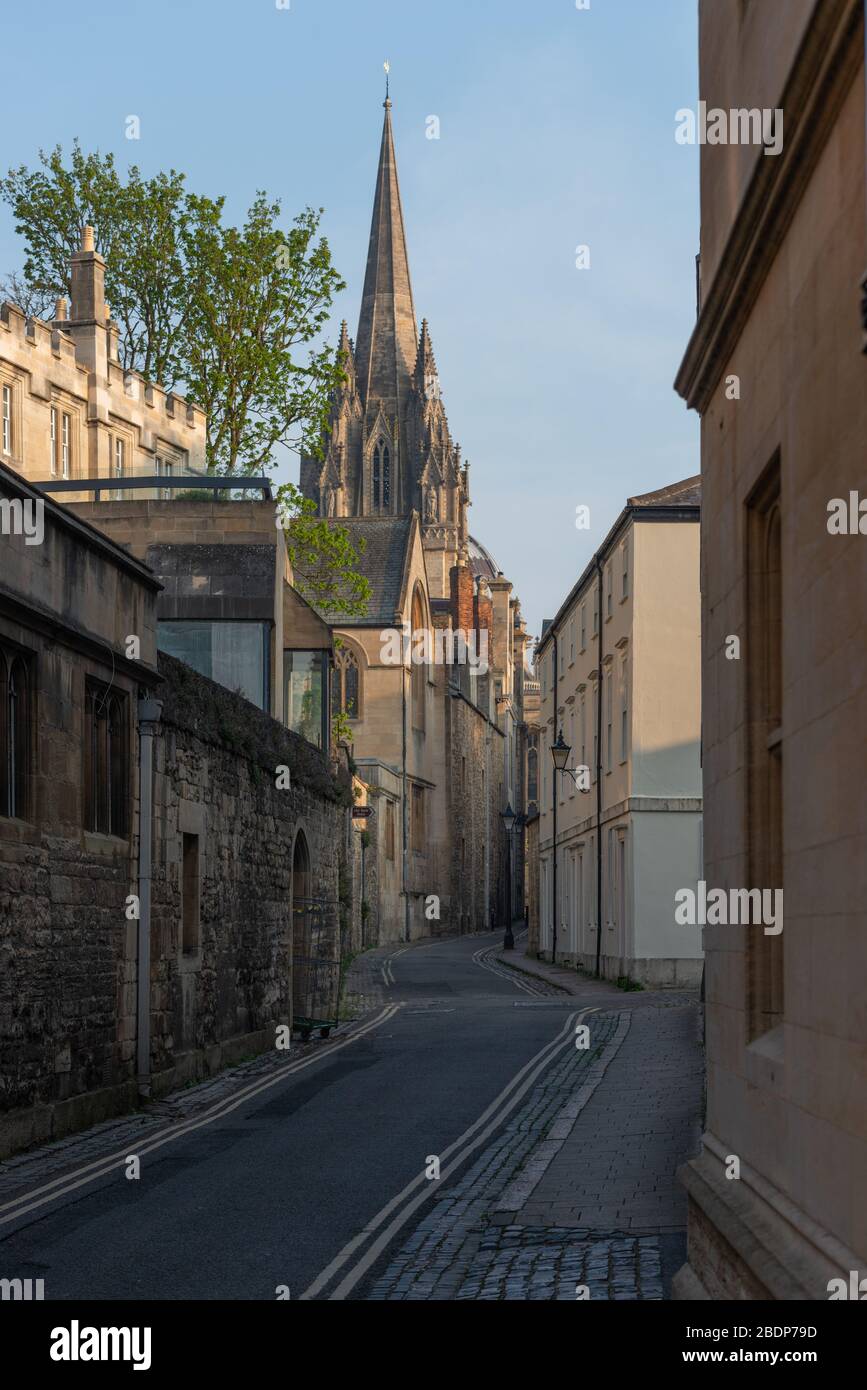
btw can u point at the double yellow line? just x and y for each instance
(91, 1172)
(490, 1119)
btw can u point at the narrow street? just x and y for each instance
(314, 1173)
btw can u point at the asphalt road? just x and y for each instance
(272, 1193)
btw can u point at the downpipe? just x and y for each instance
(149, 714)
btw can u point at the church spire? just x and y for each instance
(386, 343)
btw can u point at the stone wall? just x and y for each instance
(67, 994)
(532, 852)
(68, 950)
(216, 786)
(477, 898)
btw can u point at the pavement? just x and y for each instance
(452, 1142)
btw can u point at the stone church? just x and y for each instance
(437, 744)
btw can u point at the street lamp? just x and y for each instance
(508, 817)
(560, 753)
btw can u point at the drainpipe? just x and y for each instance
(599, 577)
(149, 713)
(554, 776)
(405, 816)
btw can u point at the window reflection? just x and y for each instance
(233, 654)
(304, 704)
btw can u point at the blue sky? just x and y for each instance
(556, 129)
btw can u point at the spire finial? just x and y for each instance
(387, 66)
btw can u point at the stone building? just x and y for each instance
(620, 683)
(228, 906)
(530, 743)
(775, 367)
(439, 747)
(70, 411)
(228, 606)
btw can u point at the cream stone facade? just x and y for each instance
(622, 655)
(775, 367)
(69, 410)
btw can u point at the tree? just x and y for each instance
(34, 303)
(226, 316)
(323, 558)
(257, 297)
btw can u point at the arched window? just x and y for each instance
(532, 776)
(346, 687)
(381, 477)
(419, 668)
(14, 734)
(106, 761)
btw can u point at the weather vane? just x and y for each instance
(387, 66)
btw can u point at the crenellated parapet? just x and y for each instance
(75, 411)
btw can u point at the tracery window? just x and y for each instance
(381, 477)
(106, 761)
(15, 737)
(346, 686)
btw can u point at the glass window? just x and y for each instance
(346, 687)
(7, 419)
(66, 446)
(304, 706)
(14, 733)
(106, 761)
(417, 820)
(233, 654)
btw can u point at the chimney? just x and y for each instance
(60, 311)
(484, 613)
(88, 319)
(461, 593)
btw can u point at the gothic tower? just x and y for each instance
(388, 450)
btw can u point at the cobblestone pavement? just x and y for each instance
(519, 1262)
(573, 1199)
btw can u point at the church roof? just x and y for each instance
(482, 562)
(384, 564)
(386, 344)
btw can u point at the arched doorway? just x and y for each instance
(301, 932)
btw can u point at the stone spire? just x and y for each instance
(386, 344)
(426, 378)
(346, 354)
